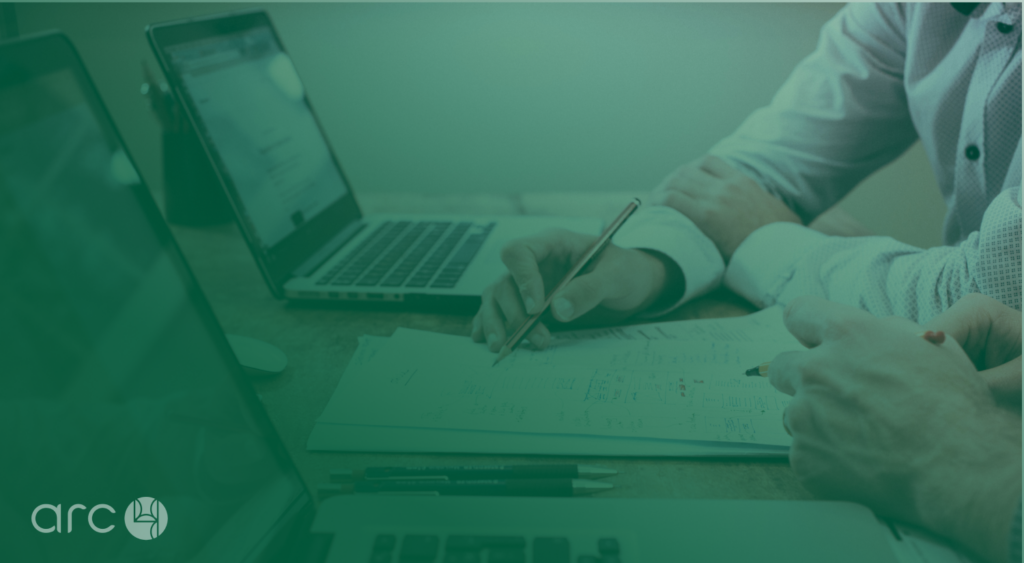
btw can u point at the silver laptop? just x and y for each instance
(291, 198)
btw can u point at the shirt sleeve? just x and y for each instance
(665, 230)
(841, 114)
(782, 261)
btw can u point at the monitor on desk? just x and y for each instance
(124, 411)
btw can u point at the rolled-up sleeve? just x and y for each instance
(841, 114)
(782, 261)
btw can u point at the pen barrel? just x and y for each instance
(524, 487)
(469, 473)
(592, 252)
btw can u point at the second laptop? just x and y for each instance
(292, 201)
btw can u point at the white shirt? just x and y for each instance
(881, 77)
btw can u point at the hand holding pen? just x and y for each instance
(592, 252)
(617, 283)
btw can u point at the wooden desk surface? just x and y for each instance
(320, 342)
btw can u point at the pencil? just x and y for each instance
(935, 337)
(592, 252)
(761, 370)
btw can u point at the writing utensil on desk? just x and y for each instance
(550, 471)
(935, 337)
(490, 487)
(592, 252)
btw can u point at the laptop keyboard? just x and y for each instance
(409, 254)
(422, 548)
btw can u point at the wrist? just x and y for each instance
(667, 284)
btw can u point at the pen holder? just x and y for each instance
(192, 193)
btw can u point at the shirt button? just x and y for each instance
(972, 152)
(1004, 27)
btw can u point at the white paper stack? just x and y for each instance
(665, 389)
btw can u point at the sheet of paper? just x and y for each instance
(361, 438)
(672, 389)
(762, 326)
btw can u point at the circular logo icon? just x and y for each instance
(145, 518)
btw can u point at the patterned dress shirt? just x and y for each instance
(882, 76)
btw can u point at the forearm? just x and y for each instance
(668, 284)
(780, 262)
(841, 114)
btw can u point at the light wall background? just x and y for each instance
(508, 98)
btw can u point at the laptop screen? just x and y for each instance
(253, 111)
(250, 110)
(125, 417)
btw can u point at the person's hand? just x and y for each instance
(724, 203)
(990, 334)
(885, 418)
(620, 282)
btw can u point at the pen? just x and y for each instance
(598, 245)
(935, 337)
(550, 471)
(493, 487)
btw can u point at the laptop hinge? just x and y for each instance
(327, 250)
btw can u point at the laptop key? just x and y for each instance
(416, 255)
(381, 268)
(461, 259)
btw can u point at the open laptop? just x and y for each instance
(131, 433)
(292, 200)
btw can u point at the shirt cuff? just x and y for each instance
(665, 230)
(765, 261)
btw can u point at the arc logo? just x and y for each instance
(145, 518)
